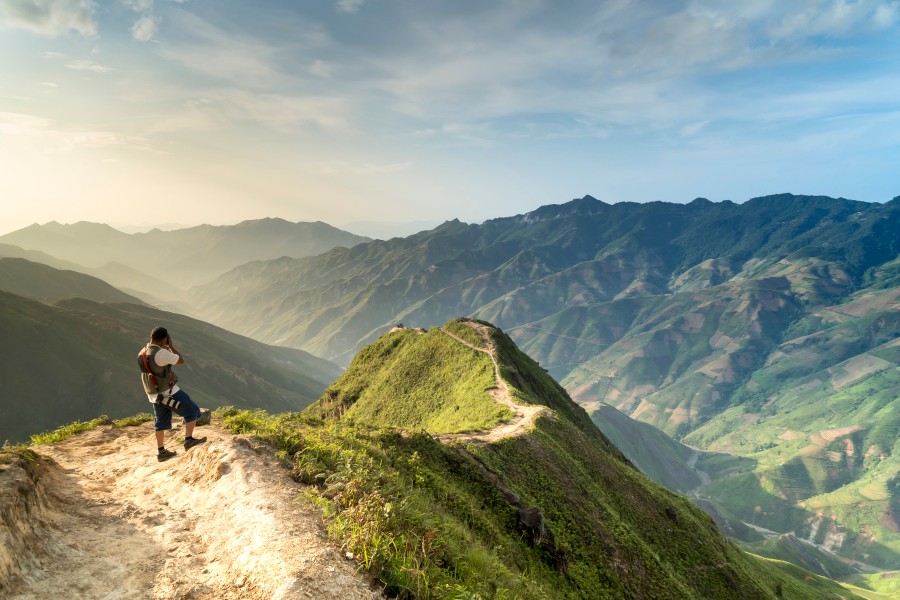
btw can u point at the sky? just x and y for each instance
(142, 112)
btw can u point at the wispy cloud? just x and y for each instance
(58, 140)
(282, 112)
(49, 17)
(337, 167)
(233, 56)
(349, 6)
(145, 28)
(88, 65)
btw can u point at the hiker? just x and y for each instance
(156, 360)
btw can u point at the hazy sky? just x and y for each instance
(143, 111)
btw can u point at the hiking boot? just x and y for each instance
(165, 455)
(191, 442)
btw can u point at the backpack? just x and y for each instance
(152, 374)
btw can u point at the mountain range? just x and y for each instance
(444, 497)
(159, 262)
(763, 335)
(69, 353)
(729, 326)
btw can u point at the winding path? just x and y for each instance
(524, 414)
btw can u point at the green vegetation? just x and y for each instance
(443, 386)
(555, 512)
(876, 586)
(66, 431)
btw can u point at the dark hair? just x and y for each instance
(159, 333)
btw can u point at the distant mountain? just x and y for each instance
(547, 505)
(11, 251)
(731, 326)
(181, 257)
(385, 230)
(76, 359)
(41, 282)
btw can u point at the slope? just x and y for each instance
(550, 509)
(75, 359)
(42, 282)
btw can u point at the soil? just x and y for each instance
(222, 520)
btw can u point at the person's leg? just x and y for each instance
(187, 409)
(163, 422)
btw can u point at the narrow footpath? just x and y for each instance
(220, 521)
(524, 414)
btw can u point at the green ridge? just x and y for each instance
(556, 512)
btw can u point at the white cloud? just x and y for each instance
(233, 56)
(145, 28)
(886, 15)
(52, 55)
(321, 68)
(56, 140)
(49, 17)
(88, 65)
(283, 112)
(22, 124)
(349, 6)
(141, 6)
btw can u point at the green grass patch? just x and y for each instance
(876, 585)
(66, 431)
(133, 420)
(416, 381)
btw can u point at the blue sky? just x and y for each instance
(143, 111)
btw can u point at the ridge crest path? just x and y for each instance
(219, 521)
(524, 414)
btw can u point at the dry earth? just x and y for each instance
(106, 520)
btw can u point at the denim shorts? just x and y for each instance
(179, 403)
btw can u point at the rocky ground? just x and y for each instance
(99, 517)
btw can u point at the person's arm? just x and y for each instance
(172, 349)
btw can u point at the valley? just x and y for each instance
(741, 354)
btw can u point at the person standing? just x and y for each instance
(156, 360)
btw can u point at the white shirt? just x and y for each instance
(162, 358)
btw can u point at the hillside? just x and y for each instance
(42, 282)
(177, 258)
(75, 359)
(729, 326)
(442, 506)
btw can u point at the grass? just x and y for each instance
(66, 431)
(876, 586)
(430, 520)
(422, 519)
(443, 385)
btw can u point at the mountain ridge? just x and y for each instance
(599, 527)
(180, 257)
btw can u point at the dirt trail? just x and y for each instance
(218, 521)
(525, 414)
